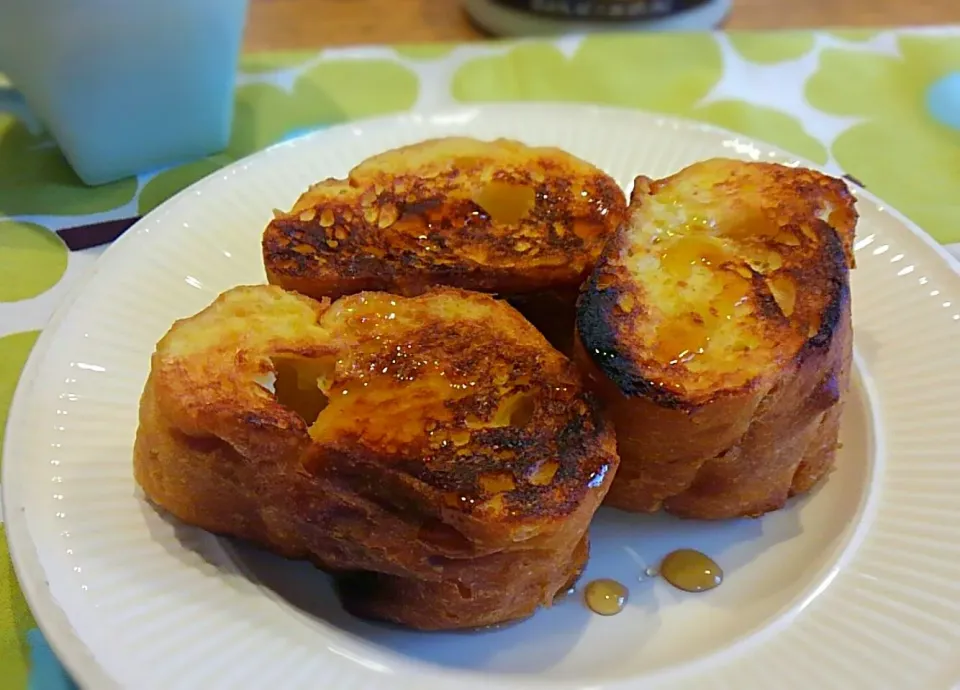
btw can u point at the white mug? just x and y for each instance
(124, 86)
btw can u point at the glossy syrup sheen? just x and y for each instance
(691, 571)
(686, 252)
(688, 334)
(404, 391)
(505, 202)
(606, 597)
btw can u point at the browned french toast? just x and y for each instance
(434, 453)
(494, 216)
(717, 328)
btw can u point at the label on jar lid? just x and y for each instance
(612, 10)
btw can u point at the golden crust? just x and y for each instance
(717, 327)
(433, 447)
(495, 216)
(490, 216)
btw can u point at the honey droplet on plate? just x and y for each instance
(691, 571)
(606, 597)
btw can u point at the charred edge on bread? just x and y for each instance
(551, 207)
(300, 249)
(840, 292)
(419, 207)
(278, 243)
(599, 339)
(464, 473)
(348, 466)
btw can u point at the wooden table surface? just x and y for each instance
(300, 24)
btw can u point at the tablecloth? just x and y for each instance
(882, 106)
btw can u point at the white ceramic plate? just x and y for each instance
(855, 586)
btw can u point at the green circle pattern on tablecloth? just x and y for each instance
(36, 178)
(263, 63)
(756, 46)
(32, 260)
(15, 616)
(904, 154)
(14, 350)
(685, 73)
(425, 51)
(15, 621)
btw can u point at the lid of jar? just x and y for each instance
(523, 18)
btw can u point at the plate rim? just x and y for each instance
(75, 655)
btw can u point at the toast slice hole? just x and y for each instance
(504, 202)
(300, 383)
(516, 410)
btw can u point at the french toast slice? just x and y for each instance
(716, 327)
(493, 216)
(434, 453)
